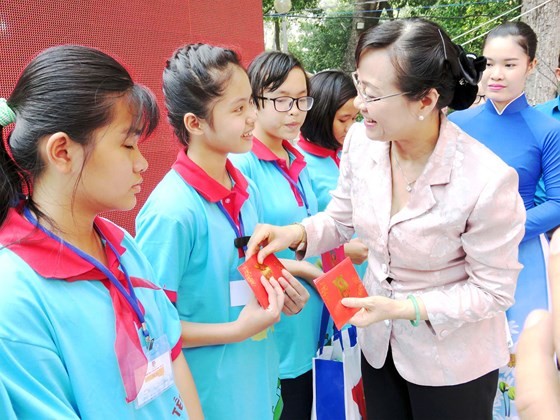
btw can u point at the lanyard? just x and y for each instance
(129, 295)
(295, 185)
(240, 238)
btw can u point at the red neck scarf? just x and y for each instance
(54, 261)
(211, 189)
(262, 152)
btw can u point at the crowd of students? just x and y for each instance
(438, 214)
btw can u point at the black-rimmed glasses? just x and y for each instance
(367, 98)
(285, 103)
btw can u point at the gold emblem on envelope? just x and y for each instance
(342, 286)
(265, 270)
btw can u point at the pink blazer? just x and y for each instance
(454, 246)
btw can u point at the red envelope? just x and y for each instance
(340, 282)
(252, 271)
(331, 258)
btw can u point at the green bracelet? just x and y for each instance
(415, 322)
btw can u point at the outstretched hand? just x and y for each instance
(272, 239)
(373, 309)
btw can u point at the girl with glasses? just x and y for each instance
(529, 142)
(281, 93)
(84, 332)
(442, 220)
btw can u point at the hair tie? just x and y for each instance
(7, 115)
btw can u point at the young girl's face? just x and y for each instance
(506, 71)
(233, 117)
(278, 125)
(343, 119)
(112, 175)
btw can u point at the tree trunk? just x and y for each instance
(542, 85)
(366, 15)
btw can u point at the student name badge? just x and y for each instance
(159, 373)
(239, 292)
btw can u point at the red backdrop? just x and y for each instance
(142, 34)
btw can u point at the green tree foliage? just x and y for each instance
(323, 39)
(320, 37)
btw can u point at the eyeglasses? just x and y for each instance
(367, 98)
(285, 103)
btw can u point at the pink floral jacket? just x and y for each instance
(454, 245)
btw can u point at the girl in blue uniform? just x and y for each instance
(528, 141)
(84, 331)
(321, 139)
(280, 90)
(192, 229)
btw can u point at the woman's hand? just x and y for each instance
(296, 295)
(356, 250)
(379, 308)
(254, 318)
(273, 239)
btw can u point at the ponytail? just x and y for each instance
(10, 185)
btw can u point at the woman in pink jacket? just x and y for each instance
(442, 218)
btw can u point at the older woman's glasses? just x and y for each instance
(285, 103)
(367, 98)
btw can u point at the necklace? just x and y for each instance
(409, 184)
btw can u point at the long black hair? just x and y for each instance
(70, 89)
(331, 89)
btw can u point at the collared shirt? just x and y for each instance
(190, 244)
(57, 308)
(550, 108)
(296, 165)
(211, 189)
(296, 336)
(316, 150)
(528, 141)
(454, 245)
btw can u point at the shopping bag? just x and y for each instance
(338, 392)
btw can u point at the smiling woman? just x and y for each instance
(441, 218)
(528, 141)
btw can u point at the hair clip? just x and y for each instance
(443, 43)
